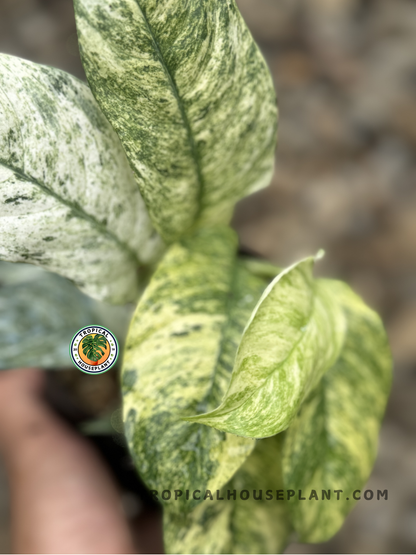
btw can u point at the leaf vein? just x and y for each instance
(185, 119)
(76, 209)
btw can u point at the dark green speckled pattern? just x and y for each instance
(68, 200)
(191, 98)
(332, 444)
(179, 356)
(237, 526)
(292, 338)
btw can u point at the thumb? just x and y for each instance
(20, 391)
(63, 499)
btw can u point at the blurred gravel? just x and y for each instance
(345, 180)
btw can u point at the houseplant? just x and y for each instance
(235, 376)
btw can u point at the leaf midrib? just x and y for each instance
(174, 87)
(227, 321)
(76, 209)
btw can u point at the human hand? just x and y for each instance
(63, 498)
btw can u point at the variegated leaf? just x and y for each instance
(261, 268)
(332, 444)
(39, 314)
(68, 200)
(179, 355)
(191, 98)
(293, 336)
(231, 525)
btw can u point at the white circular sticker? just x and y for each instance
(94, 350)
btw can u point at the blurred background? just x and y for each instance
(345, 181)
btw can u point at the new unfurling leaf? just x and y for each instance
(293, 336)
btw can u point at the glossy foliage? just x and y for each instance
(236, 374)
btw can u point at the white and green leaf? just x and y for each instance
(191, 98)
(68, 199)
(178, 360)
(293, 336)
(332, 443)
(231, 525)
(39, 314)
